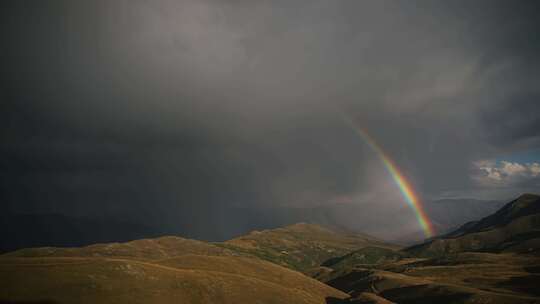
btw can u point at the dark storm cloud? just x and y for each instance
(178, 111)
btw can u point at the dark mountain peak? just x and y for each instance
(524, 205)
(461, 230)
(527, 200)
(513, 228)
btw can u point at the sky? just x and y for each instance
(181, 113)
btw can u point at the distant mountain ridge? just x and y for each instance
(448, 214)
(23, 230)
(514, 228)
(525, 205)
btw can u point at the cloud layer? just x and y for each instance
(172, 111)
(506, 173)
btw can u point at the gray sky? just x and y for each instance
(174, 111)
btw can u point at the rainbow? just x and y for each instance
(404, 186)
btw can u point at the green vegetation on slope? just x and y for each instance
(365, 257)
(301, 246)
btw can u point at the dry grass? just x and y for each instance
(117, 280)
(148, 249)
(178, 270)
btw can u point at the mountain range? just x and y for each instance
(23, 229)
(494, 259)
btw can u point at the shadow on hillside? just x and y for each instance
(527, 284)
(351, 282)
(425, 294)
(332, 300)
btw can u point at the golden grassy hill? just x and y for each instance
(178, 270)
(184, 279)
(146, 249)
(161, 270)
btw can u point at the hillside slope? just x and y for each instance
(442, 271)
(114, 280)
(514, 228)
(365, 257)
(458, 278)
(497, 282)
(144, 249)
(301, 246)
(178, 270)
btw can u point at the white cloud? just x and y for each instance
(512, 169)
(504, 173)
(535, 169)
